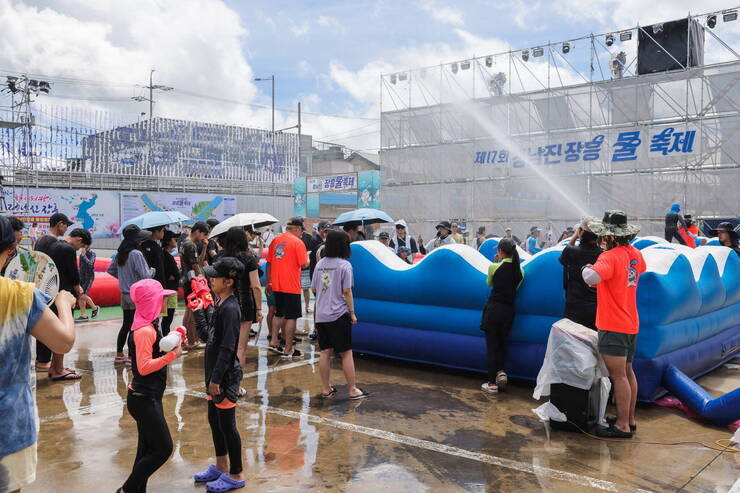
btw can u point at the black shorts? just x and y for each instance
(618, 344)
(336, 335)
(288, 305)
(247, 308)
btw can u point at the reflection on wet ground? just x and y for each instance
(422, 429)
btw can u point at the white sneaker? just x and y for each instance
(491, 388)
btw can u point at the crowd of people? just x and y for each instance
(601, 271)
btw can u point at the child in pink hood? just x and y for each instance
(149, 368)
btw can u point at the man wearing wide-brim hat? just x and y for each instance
(444, 237)
(727, 236)
(615, 274)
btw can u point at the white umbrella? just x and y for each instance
(254, 219)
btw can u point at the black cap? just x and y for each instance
(7, 235)
(445, 225)
(295, 221)
(725, 226)
(168, 235)
(135, 233)
(323, 225)
(383, 235)
(59, 217)
(227, 267)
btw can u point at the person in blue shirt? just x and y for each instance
(533, 243)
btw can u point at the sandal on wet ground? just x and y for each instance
(331, 394)
(277, 349)
(612, 432)
(68, 374)
(613, 419)
(95, 312)
(225, 483)
(210, 474)
(363, 395)
(294, 355)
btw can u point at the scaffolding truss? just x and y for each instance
(571, 130)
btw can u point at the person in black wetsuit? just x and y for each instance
(672, 220)
(580, 298)
(504, 276)
(223, 373)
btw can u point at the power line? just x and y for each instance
(88, 82)
(346, 131)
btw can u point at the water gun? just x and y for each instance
(201, 290)
(173, 339)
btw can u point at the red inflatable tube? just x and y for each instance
(104, 290)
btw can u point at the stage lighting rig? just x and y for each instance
(566, 48)
(609, 40)
(539, 51)
(729, 15)
(711, 21)
(454, 68)
(625, 35)
(525, 55)
(489, 61)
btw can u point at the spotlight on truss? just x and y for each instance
(489, 61)
(609, 40)
(454, 68)
(44, 87)
(525, 55)
(393, 78)
(403, 76)
(539, 51)
(729, 15)
(465, 65)
(711, 21)
(566, 48)
(625, 35)
(658, 28)
(12, 83)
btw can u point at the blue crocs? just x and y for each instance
(210, 474)
(225, 483)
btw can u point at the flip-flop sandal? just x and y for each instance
(364, 395)
(613, 419)
(225, 483)
(278, 349)
(612, 432)
(68, 375)
(210, 474)
(95, 312)
(331, 394)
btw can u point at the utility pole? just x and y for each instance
(151, 88)
(272, 80)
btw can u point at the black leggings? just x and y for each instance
(155, 442)
(671, 233)
(496, 323)
(226, 437)
(167, 321)
(128, 320)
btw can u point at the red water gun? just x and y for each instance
(200, 288)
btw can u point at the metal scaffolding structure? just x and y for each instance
(550, 133)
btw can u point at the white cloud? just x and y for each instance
(304, 68)
(299, 30)
(442, 13)
(329, 22)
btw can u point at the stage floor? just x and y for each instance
(422, 429)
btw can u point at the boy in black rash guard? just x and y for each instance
(144, 400)
(504, 277)
(223, 374)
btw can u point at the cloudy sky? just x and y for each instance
(328, 55)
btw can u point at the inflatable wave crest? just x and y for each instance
(688, 301)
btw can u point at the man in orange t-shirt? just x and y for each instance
(615, 275)
(286, 257)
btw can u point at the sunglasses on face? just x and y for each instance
(399, 227)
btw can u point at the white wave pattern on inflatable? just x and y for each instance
(394, 262)
(660, 262)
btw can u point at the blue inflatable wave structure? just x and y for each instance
(489, 248)
(688, 301)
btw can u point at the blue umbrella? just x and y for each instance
(363, 216)
(154, 219)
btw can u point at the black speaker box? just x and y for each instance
(580, 406)
(670, 46)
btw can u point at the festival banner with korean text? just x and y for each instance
(94, 210)
(331, 183)
(628, 145)
(199, 207)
